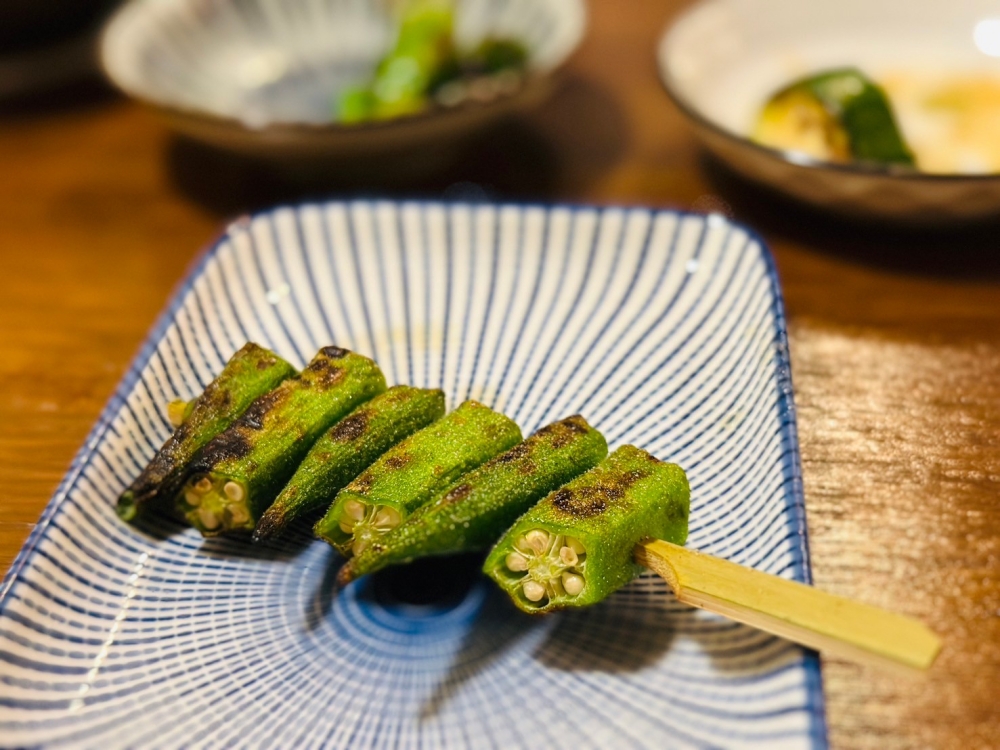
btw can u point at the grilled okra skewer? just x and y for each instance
(472, 513)
(412, 472)
(249, 373)
(575, 547)
(239, 473)
(347, 449)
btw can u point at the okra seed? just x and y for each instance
(354, 510)
(233, 491)
(238, 514)
(575, 545)
(208, 519)
(547, 558)
(537, 540)
(203, 485)
(534, 591)
(346, 525)
(516, 562)
(359, 546)
(568, 556)
(192, 498)
(387, 518)
(572, 583)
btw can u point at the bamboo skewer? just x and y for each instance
(831, 624)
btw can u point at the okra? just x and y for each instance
(239, 473)
(347, 449)
(472, 513)
(249, 373)
(411, 473)
(575, 547)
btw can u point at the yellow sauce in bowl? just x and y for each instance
(951, 122)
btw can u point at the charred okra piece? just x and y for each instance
(476, 510)
(250, 373)
(347, 449)
(240, 472)
(575, 547)
(412, 472)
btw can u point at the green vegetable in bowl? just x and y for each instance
(576, 546)
(840, 115)
(423, 52)
(495, 55)
(423, 63)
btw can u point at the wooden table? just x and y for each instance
(895, 337)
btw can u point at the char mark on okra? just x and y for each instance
(249, 373)
(576, 546)
(350, 428)
(241, 472)
(347, 449)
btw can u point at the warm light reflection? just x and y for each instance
(987, 36)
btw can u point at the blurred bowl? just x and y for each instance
(260, 77)
(722, 59)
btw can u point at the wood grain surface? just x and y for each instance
(895, 336)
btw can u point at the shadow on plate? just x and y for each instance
(635, 627)
(957, 252)
(435, 583)
(421, 587)
(285, 548)
(615, 636)
(321, 601)
(739, 651)
(612, 638)
(159, 526)
(535, 156)
(497, 627)
(162, 528)
(630, 632)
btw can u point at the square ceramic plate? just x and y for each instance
(664, 329)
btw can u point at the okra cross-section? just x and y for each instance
(347, 449)
(240, 472)
(412, 472)
(250, 373)
(472, 513)
(575, 547)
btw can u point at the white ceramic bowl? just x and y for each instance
(721, 59)
(261, 76)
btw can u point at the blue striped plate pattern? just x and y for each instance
(664, 329)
